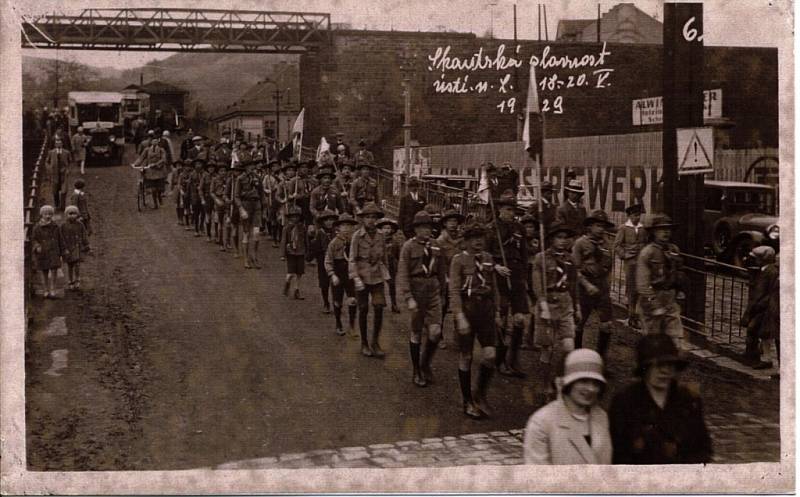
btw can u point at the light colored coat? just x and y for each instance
(554, 436)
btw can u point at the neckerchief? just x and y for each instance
(428, 261)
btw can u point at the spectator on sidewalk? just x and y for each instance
(47, 248)
(763, 312)
(73, 236)
(656, 420)
(572, 429)
(58, 161)
(79, 200)
(79, 142)
(631, 239)
(410, 203)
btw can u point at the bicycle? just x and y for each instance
(141, 193)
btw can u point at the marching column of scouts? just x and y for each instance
(503, 290)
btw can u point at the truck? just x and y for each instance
(97, 109)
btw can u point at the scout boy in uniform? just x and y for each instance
(368, 269)
(451, 243)
(317, 247)
(421, 274)
(531, 227)
(474, 304)
(294, 242)
(247, 197)
(364, 189)
(218, 185)
(325, 196)
(394, 243)
(591, 254)
(631, 239)
(337, 259)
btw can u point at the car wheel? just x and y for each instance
(740, 251)
(722, 239)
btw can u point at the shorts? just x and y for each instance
(560, 328)
(600, 302)
(376, 291)
(427, 294)
(479, 312)
(253, 209)
(209, 207)
(668, 323)
(295, 264)
(516, 297)
(345, 286)
(221, 213)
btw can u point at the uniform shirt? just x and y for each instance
(300, 187)
(271, 184)
(205, 185)
(343, 185)
(512, 237)
(630, 240)
(318, 245)
(325, 197)
(223, 156)
(363, 190)
(561, 276)
(470, 275)
(247, 187)
(592, 258)
(419, 259)
(218, 188)
(338, 250)
(368, 257)
(644, 433)
(293, 241)
(364, 157)
(656, 275)
(572, 215)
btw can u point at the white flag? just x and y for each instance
(324, 146)
(533, 130)
(483, 187)
(297, 134)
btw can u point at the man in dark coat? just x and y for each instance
(572, 212)
(656, 420)
(762, 315)
(411, 203)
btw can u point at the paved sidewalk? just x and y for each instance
(737, 438)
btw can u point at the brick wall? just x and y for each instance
(354, 86)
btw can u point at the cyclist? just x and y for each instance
(152, 164)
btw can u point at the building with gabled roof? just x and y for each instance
(624, 23)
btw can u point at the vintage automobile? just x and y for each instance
(739, 216)
(102, 148)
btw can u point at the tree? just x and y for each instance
(63, 76)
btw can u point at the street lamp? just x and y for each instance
(408, 69)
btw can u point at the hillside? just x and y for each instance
(214, 80)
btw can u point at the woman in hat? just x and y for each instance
(573, 429)
(337, 258)
(630, 240)
(656, 420)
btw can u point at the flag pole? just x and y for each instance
(499, 238)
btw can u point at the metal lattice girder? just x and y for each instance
(196, 30)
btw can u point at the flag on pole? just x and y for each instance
(483, 187)
(297, 134)
(324, 146)
(533, 131)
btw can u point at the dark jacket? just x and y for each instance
(763, 311)
(408, 208)
(643, 433)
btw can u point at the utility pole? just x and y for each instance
(682, 196)
(408, 70)
(55, 95)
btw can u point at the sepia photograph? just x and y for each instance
(338, 245)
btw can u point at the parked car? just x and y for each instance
(102, 149)
(739, 216)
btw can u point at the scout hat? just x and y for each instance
(659, 348)
(294, 211)
(490, 167)
(199, 160)
(197, 138)
(371, 209)
(473, 230)
(598, 216)
(345, 218)
(422, 218)
(507, 199)
(210, 163)
(660, 221)
(413, 181)
(326, 214)
(289, 165)
(546, 186)
(238, 166)
(574, 186)
(583, 364)
(529, 219)
(362, 143)
(384, 221)
(324, 171)
(79, 183)
(634, 209)
(559, 227)
(364, 165)
(273, 162)
(452, 213)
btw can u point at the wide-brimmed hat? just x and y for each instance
(345, 218)
(197, 138)
(272, 162)
(634, 209)
(384, 221)
(200, 160)
(473, 230)
(370, 209)
(364, 165)
(574, 186)
(528, 219)
(362, 143)
(326, 214)
(422, 218)
(210, 163)
(505, 201)
(452, 213)
(657, 347)
(660, 221)
(238, 166)
(294, 211)
(583, 364)
(546, 186)
(289, 165)
(413, 181)
(598, 216)
(324, 171)
(559, 227)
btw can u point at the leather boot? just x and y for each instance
(362, 324)
(418, 378)
(578, 336)
(246, 250)
(255, 256)
(352, 310)
(512, 353)
(485, 374)
(337, 314)
(500, 349)
(465, 382)
(376, 333)
(427, 360)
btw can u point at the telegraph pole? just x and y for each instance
(682, 196)
(407, 68)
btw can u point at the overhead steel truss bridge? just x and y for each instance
(180, 30)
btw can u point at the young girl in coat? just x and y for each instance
(47, 247)
(73, 237)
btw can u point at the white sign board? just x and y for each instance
(695, 150)
(650, 110)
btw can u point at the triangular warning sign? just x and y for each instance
(695, 156)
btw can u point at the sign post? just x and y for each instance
(682, 196)
(695, 150)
